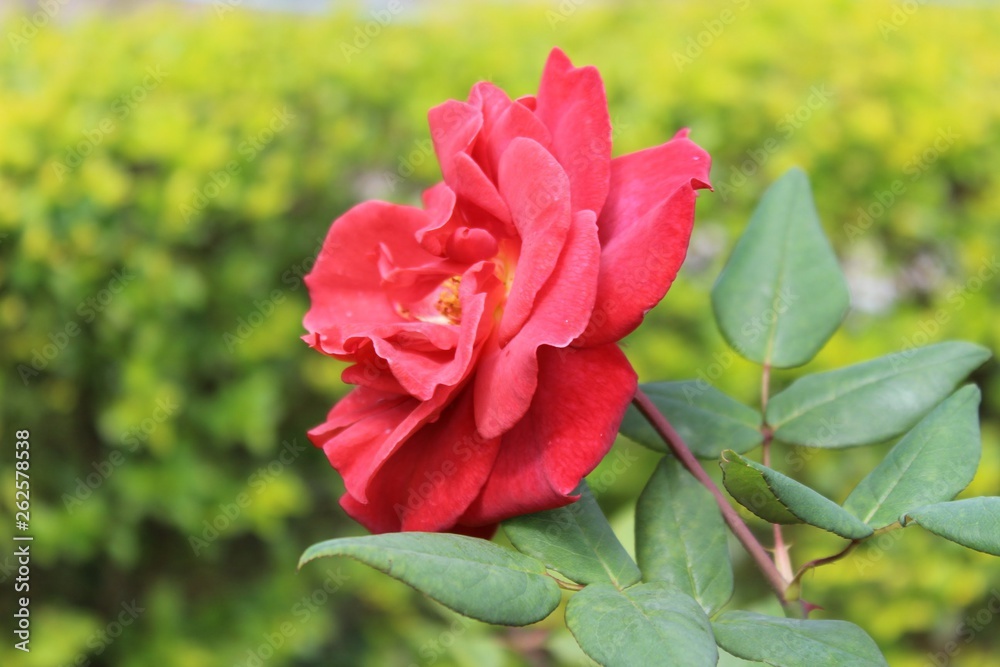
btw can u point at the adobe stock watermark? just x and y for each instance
(877, 546)
(752, 329)
(59, 339)
(901, 13)
(914, 169)
(423, 149)
(824, 437)
(421, 489)
(697, 44)
(967, 630)
(620, 461)
(257, 482)
(100, 640)
(365, 34)
(263, 309)
(301, 612)
(30, 26)
(562, 12)
(121, 108)
(437, 647)
(248, 150)
(819, 96)
(223, 7)
(105, 468)
(956, 299)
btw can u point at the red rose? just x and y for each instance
(482, 328)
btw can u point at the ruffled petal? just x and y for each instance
(367, 427)
(515, 121)
(573, 105)
(369, 277)
(506, 378)
(345, 286)
(569, 428)
(433, 478)
(455, 127)
(537, 191)
(644, 229)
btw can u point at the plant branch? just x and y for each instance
(825, 561)
(781, 558)
(742, 532)
(765, 387)
(566, 585)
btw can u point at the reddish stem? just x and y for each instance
(740, 529)
(825, 561)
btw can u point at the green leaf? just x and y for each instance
(782, 294)
(680, 537)
(647, 624)
(973, 522)
(576, 541)
(780, 499)
(707, 419)
(873, 401)
(727, 659)
(790, 642)
(930, 464)
(472, 576)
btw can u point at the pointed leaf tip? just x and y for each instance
(782, 293)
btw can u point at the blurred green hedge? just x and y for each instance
(167, 175)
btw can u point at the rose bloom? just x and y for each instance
(482, 328)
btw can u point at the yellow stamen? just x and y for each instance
(448, 303)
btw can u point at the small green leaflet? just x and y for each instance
(873, 401)
(782, 294)
(973, 522)
(790, 642)
(472, 576)
(647, 624)
(680, 537)
(932, 463)
(780, 499)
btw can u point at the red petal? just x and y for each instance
(371, 370)
(573, 105)
(439, 203)
(345, 285)
(506, 378)
(454, 129)
(571, 425)
(471, 184)
(370, 266)
(537, 191)
(516, 121)
(432, 478)
(471, 244)
(644, 228)
(364, 429)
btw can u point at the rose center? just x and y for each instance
(448, 303)
(441, 306)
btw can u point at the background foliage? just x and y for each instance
(167, 174)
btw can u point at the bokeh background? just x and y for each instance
(167, 172)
